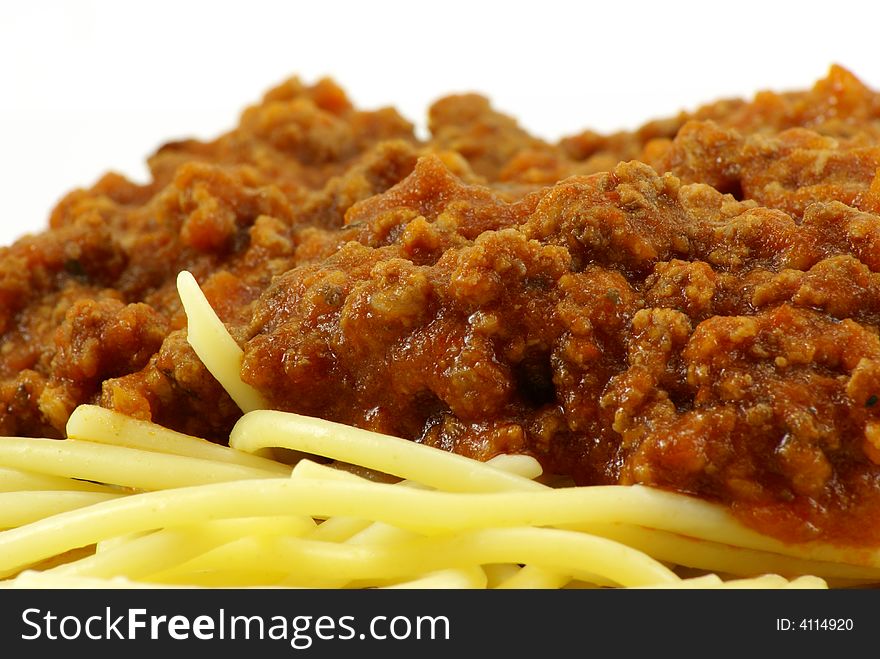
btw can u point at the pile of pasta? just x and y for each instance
(296, 501)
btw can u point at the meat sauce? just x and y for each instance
(692, 306)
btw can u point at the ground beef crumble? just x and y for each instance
(693, 305)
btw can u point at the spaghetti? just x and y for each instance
(173, 510)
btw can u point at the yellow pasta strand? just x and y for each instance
(157, 551)
(532, 576)
(390, 455)
(404, 507)
(119, 466)
(445, 579)
(577, 552)
(340, 529)
(20, 508)
(97, 424)
(765, 581)
(32, 579)
(695, 583)
(16, 480)
(211, 341)
(806, 582)
(524, 466)
(696, 552)
(498, 573)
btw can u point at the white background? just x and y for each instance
(90, 86)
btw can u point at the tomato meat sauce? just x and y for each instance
(693, 305)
